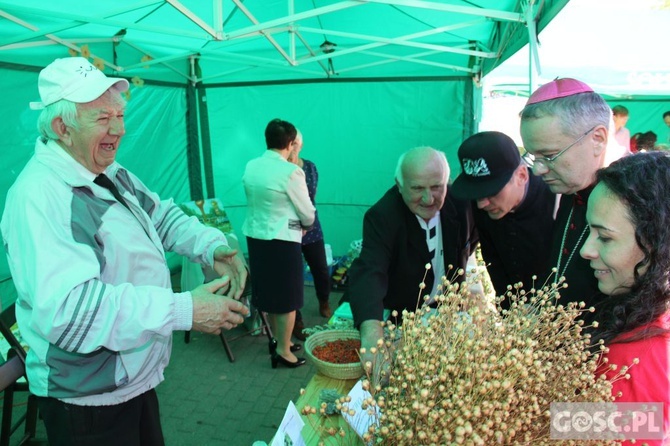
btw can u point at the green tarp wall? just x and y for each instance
(353, 131)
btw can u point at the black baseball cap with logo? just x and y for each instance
(488, 160)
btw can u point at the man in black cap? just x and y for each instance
(514, 210)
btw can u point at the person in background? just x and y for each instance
(313, 246)
(513, 209)
(628, 248)
(666, 119)
(621, 133)
(644, 141)
(565, 129)
(279, 212)
(86, 242)
(415, 223)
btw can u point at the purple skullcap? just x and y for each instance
(558, 88)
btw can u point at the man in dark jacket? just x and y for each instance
(412, 225)
(513, 209)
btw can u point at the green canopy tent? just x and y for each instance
(363, 80)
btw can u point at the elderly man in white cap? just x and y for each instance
(85, 242)
(565, 129)
(512, 208)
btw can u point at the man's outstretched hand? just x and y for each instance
(228, 263)
(213, 312)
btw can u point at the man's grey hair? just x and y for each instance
(399, 171)
(66, 110)
(576, 113)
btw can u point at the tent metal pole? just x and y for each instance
(490, 13)
(218, 18)
(405, 41)
(54, 38)
(205, 140)
(413, 58)
(224, 55)
(192, 17)
(267, 35)
(56, 28)
(311, 51)
(156, 61)
(534, 68)
(236, 70)
(396, 40)
(291, 31)
(297, 17)
(468, 109)
(472, 96)
(83, 19)
(193, 144)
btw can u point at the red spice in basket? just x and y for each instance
(341, 351)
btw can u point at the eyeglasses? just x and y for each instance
(537, 163)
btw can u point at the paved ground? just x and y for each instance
(208, 401)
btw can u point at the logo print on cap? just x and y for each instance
(476, 168)
(85, 70)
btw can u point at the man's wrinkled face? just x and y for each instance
(424, 189)
(95, 142)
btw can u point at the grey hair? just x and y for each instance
(576, 113)
(398, 169)
(66, 110)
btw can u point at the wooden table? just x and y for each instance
(316, 425)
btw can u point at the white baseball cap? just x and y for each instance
(74, 79)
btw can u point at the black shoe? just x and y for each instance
(272, 347)
(278, 359)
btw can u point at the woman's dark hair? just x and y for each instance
(641, 181)
(279, 134)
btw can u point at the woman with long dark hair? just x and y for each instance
(629, 250)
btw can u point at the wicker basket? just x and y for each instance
(338, 371)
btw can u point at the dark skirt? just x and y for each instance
(276, 271)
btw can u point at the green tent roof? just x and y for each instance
(224, 41)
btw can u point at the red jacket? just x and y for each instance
(649, 379)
